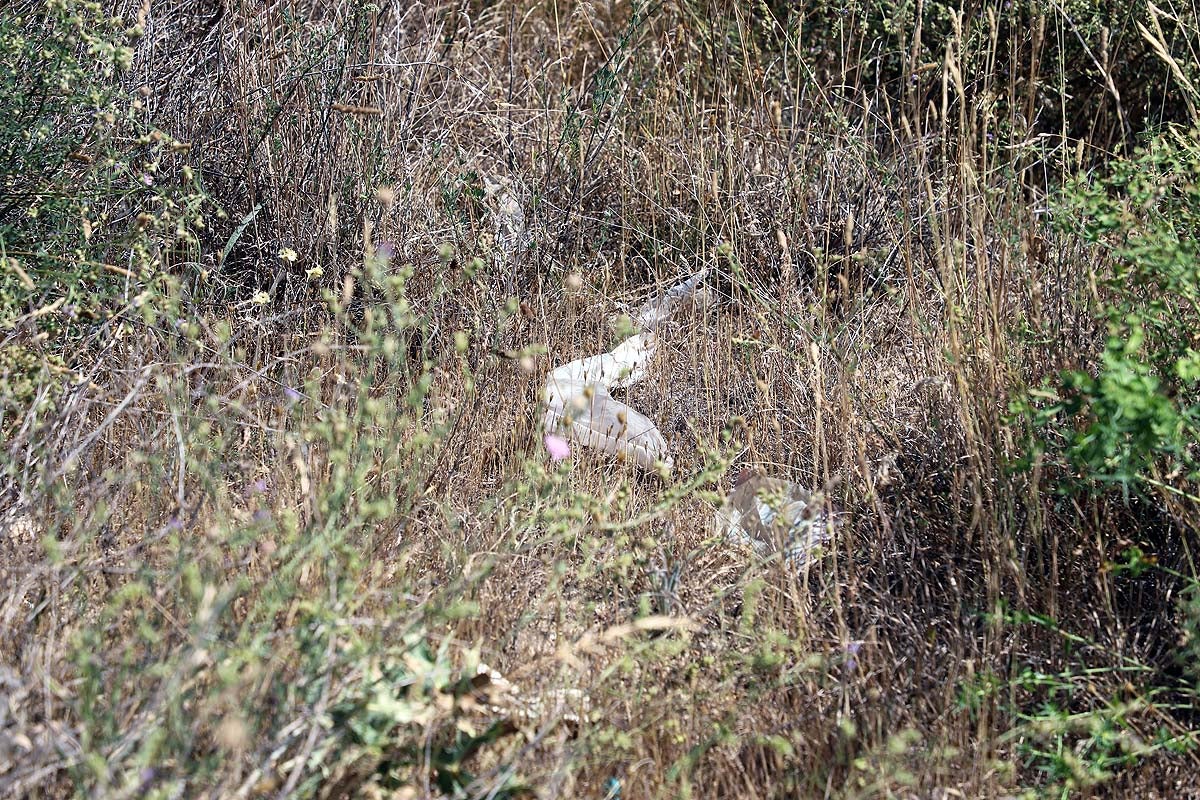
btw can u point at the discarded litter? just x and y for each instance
(772, 515)
(580, 408)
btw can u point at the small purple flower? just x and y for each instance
(852, 656)
(258, 487)
(385, 250)
(146, 778)
(173, 524)
(147, 179)
(292, 395)
(262, 516)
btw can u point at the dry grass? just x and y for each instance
(223, 562)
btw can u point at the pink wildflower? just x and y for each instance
(557, 447)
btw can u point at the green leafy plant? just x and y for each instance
(1136, 414)
(1078, 726)
(94, 202)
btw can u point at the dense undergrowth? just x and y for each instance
(280, 283)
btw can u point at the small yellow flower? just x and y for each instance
(288, 254)
(261, 299)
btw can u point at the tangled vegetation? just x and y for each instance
(279, 287)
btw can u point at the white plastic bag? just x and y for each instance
(581, 409)
(772, 515)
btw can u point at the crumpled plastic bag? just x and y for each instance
(772, 515)
(577, 396)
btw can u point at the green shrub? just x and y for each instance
(1136, 416)
(93, 200)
